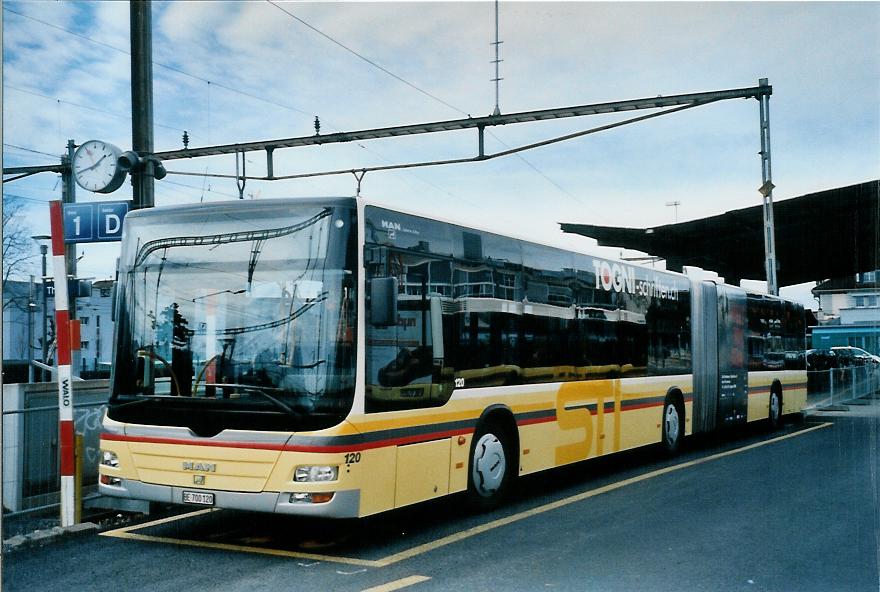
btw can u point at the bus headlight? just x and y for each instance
(109, 459)
(315, 473)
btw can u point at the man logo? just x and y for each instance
(189, 465)
(198, 479)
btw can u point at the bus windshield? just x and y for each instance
(237, 317)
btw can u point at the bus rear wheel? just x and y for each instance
(774, 414)
(672, 428)
(491, 467)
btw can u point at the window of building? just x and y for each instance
(84, 321)
(84, 345)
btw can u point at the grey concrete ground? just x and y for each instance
(797, 513)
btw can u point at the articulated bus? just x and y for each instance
(337, 358)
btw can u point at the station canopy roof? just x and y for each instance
(828, 234)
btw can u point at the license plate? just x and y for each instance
(198, 497)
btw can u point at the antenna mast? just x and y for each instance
(497, 62)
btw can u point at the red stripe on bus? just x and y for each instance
(641, 406)
(760, 390)
(534, 420)
(378, 443)
(66, 438)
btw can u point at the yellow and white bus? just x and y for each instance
(336, 358)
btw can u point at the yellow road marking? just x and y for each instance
(157, 522)
(125, 533)
(398, 584)
(242, 548)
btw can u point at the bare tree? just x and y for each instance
(18, 248)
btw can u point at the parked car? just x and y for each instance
(821, 359)
(854, 356)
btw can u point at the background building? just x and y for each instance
(849, 312)
(22, 310)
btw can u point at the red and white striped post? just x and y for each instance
(65, 390)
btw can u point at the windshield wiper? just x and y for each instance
(280, 404)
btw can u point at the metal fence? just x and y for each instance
(836, 388)
(31, 479)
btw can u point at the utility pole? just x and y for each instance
(68, 196)
(30, 346)
(44, 352)
(142, 179)
(766, 191)
(497, 62)
(675, 205)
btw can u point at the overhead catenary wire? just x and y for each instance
(463, 160)
(32, 151)
(33, 199)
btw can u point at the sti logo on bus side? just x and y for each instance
(613, 276)
(189, 465)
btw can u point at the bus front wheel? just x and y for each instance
(491, 467)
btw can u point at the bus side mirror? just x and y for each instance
(383, 301)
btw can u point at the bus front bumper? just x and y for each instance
(344, 504)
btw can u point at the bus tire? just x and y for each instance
(491, 468)
(774, 413)
(673, 428)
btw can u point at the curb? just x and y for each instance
(40, 538)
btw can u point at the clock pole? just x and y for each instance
(68, 196)
(142, 101)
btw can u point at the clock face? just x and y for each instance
(96, 167)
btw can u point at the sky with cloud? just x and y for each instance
(231, 72)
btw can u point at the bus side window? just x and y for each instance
(405, 356)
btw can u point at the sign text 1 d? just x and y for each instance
(94, 222)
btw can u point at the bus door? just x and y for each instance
(732, 356)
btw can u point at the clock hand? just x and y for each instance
(94, 165)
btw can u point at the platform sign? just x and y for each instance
(94, 222)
